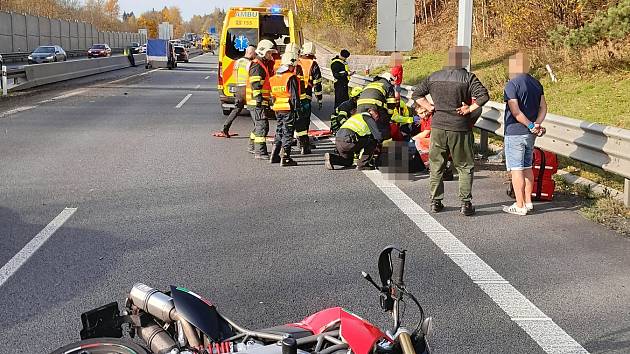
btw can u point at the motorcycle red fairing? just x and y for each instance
(357, 332)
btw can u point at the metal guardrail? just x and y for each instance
(41, 74)
(598, 145)
(23, 56)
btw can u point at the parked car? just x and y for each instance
(135, 47)
(99, 50)
(47, 54)
(181, 54)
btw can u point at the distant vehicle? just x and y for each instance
(99, 50)
(135, 47)
(185, 43)
(160, 54)
(47, 54)
(143, 49)
(181, 54)
(1, 62)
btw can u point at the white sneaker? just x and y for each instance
(529, 206)
(514, 209)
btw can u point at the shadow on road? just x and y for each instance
(617, 341)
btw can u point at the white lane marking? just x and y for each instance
(541, 328)
(198, 86)
(183, 101)
(206, 78)
(27, 251)
(66, 95)
(16, 110)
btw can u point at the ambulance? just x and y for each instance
(245, 26)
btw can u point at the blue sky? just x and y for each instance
(188, 7)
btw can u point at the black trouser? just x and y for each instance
(303, 121)
(261, 128)
(239, 103)
(348, 144)
(341, 92)
(284, 130)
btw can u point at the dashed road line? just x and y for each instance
(206, 78)
(183, 101)
(197, 87)
(33, 245)
(541, 328)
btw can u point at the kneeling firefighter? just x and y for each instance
(285, 91)
(359, 132)
(346, 109)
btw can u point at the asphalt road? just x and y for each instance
(161, 201)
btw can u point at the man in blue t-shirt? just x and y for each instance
(524, 113)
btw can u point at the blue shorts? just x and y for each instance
(519, 151)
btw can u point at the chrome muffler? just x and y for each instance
(153, 302)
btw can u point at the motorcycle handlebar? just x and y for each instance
(398, 265)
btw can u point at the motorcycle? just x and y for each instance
(182, 322)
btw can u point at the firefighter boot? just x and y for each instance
(275, 154)
(305, 145)
(287, 160)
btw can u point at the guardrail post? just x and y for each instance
(483, 141)
(5, 87)
(626, 192)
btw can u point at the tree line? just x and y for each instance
(106, 15)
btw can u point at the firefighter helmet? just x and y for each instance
(264, 47)
(288, 58)
(308, 48)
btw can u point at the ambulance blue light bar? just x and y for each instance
(276, 10)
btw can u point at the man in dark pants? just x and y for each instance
(240, 74)
(341, 74)
(312, 77)
(258, 93)
(285, 90)
(457, 96)
(359, 132)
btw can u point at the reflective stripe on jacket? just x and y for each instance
(357, 124)
(258, 84)
(281, 91)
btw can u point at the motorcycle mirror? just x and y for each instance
(385, 267)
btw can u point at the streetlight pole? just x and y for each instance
(464, 26)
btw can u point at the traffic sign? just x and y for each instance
(213, 30)
(395, 27)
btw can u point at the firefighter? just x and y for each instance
(345, 110)
(359, 132)
(285, 90)
(240, 73)
(341, 74)
(258, 94)
(379, 96)
(312, 77)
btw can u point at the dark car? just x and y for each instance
(47, 54)
(99, 50)
(181, 54)
(136, 48)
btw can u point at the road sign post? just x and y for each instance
(464, 26)
(395, 26)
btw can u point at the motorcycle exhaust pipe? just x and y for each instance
(157, 339)
(153, 302)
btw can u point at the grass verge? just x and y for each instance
(600, 209)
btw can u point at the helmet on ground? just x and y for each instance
(292, 47)
(264, 47)
(356, 91)
(288, 58)
(387, 76)
(308, 48)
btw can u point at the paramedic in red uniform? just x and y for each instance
(524, 113)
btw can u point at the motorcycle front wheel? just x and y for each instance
(102, 346)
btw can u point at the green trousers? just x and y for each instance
(459, 146)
